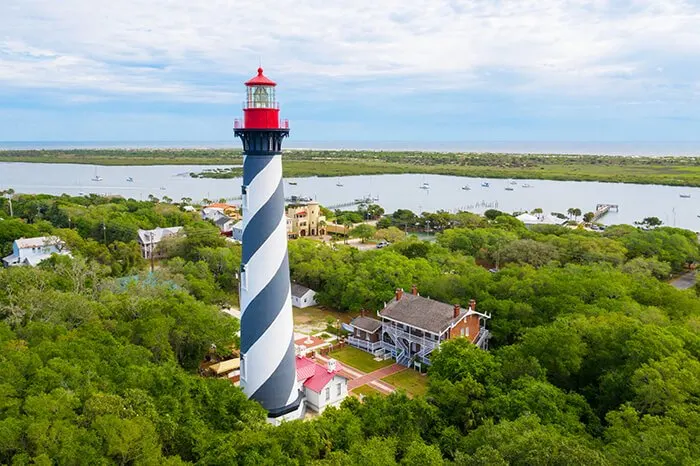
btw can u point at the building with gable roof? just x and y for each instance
(150, 239)
(302, 296)
(322, 386)
(412, 326)
(32, 251)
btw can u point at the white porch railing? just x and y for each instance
(369, 346)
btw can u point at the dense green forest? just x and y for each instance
(679, 171)
(595, 358)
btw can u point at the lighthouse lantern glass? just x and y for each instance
(261, 96)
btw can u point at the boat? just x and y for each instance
(526, 185)
(509, 188)
(466, 187)
(485, 184)
(685, 196)
(375, 198)
(130, 180)
(162, 188)
(513, 182)
(425, 185)
(340, 185)
(96, 177)
(293, 183)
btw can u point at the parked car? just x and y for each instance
(382, 243)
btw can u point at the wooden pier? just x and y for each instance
(602, 209)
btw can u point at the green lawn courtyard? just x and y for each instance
(359, 359)
(412, 381)
(365, 390)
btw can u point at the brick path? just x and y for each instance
(359, 378)
(373, 378)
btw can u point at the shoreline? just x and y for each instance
(666, 171)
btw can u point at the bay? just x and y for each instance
(392, 191)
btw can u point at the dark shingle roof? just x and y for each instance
(299, 290)
(424, 313)
(367, 324)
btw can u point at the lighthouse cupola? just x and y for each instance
(260, 109)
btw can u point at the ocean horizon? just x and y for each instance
(632, 148)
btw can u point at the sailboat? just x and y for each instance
(97, 177)
(339, 184)
(513, 182)
(130, 180)
(685, 196)
(425, 185)
(485, 184)
(466, 187)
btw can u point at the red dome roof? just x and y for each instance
(260, 80)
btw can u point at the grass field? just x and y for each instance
(412, 381)
(365, 390)
(359, 359)
(678, 171)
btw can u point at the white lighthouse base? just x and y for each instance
(293, 416)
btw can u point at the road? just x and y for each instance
(685, 281)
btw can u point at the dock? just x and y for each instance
(602, 209)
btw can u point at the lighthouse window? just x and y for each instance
(262, 97)
(244, 277)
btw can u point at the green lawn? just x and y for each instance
(412, 381)
(359, 359)
(365, 390)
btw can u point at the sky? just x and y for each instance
(365, 70)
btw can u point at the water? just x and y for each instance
(656, 148)
(394, 191)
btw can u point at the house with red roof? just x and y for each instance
(322, 386)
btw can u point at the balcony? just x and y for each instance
(239, 123)
(370, 347)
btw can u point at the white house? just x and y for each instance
(322, 386)
(149, 239)
(237, 231)
(31, 251)
(540, 219)
(302, 296)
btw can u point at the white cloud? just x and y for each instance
(201, 49)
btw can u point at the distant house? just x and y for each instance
(150, 239)
(225, 225)
(302, 296)
(540, 219)
(214, 211)
(412, 326)
(322, 386)
(305, 219)
(32, 251)
(237, 231)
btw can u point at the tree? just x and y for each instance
(588, 217)
(391, 234)
(650, 222)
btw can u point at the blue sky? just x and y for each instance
(409, 70)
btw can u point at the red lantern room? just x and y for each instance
(261, 110)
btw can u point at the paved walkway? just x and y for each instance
(685, 281)
(373, 378)
(359, 378)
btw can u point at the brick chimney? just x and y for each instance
(414, 290)
(472, 304)
(457, 310)
(399, 293)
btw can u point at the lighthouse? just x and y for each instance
(268, 372)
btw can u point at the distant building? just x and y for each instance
(302, 296)
(540, 219)
(32, 251)
(412, 326)
(214, 211)
(150, 239)
(237, 231)
(306, 219)
(322, 386)
(225, 225)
